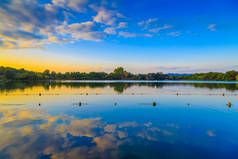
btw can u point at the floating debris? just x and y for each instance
(154, 104)
(79, 104)
(229, 104)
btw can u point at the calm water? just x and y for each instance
(118, 120)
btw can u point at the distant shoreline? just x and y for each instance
(124, 81)
(144, 81)
(119, 74)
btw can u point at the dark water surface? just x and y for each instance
(118, 120)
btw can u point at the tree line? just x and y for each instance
(210, 76)
(12, 74)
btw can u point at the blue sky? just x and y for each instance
(181, 36)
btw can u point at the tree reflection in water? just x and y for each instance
(118, 87)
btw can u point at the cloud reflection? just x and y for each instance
(27, 133)
(33, 133)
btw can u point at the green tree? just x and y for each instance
(231, 75)
(46, 74)
(9, 74)
(53, 74)
(119, 71)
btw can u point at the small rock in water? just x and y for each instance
(229, 104)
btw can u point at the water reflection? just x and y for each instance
(116, 126)
(34, 133)
(118, 87)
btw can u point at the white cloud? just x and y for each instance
(58, 40)
(133, 35)
(147, 23)
(175, 34)
(26, 24)
(30, 24)
(147, 35)
(122, 25)
(106, 16)
(156, 30)
(78, 5)
(6, 44)
(110, 30)
(85, 30)
(82, 27)
(212, 27)
(141, 23)
(19, 35)
(92, 36)
(127, 34)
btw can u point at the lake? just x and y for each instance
(119, 119)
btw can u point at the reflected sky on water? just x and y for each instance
(118, 120)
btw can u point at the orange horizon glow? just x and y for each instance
(40, 63)
(61, 69)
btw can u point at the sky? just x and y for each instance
(170, 36)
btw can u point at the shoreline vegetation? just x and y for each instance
(11, 74)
